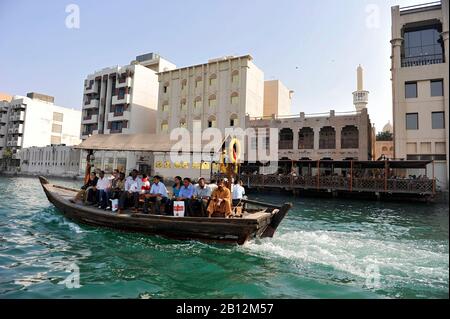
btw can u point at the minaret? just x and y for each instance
(360, 97)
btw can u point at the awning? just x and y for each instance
(141, 143)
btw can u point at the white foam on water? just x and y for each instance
(400, 262)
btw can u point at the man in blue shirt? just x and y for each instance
(157, 195)
(185, 194)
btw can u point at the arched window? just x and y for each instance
(198, 82)
(164, 127)
(234, 121)
(166, 87)
(212, 80)
(212, 121)
(286, 139)
(197, 103)
(391, 148)
(306, 138)
(183, 84)
(165, 106)
(327, 138)
(234, 98)
(349, 137)
(235, 77)
(212, 101)
(384, 149)
(183, 105)
(183, 123)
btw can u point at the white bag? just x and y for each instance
(114, 204)
(178, 208)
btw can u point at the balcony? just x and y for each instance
(92, 89)
(119, 116)
(3, 130)
(91, 104)
(90, 119)
(3, 118)
(124, 99)
(422, 60)
(123, 83)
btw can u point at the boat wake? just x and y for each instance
(358, 257)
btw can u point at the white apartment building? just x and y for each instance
(122, 100)
(35, 120)
(53, 160)
(420, 83)
(219, 93)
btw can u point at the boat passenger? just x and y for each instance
(117, 188)
(133, 185)
(185, 194)
(89, 188)
(145, 184)
(157, 195)
(220, 200)
(200, 199)
(176, 187)
(103, 186)
(238, 192)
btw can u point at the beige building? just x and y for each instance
(336, 136)
(420, 75)
(219, 93)
(5, 97)
(384, 143)
(277, 98)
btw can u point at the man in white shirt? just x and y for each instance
(238, 192)
(133, 186)
(103, 186)
(157, 195)
(212, 185)
(199, 201)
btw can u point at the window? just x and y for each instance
(116, 126)
(437, 120)
(410, 90)
(183, 105)
(165, 107)
(437, 87)
(234, 98)
(58, 116)
(183, 85)
(198, 103)
(212, 80)
(349, 137)
(212, 102)
(306, 138)
(212, 122)
(412, 121)
(183, 123)
(327, 138)
(198, 83)
(422, 46)
(165, 87)
(56, 128)
(234, 121)
(235, 77)
(164, 127)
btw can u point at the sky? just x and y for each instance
(313, 47)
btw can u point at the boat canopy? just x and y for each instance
(146, 143)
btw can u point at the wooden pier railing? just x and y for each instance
(331, 183)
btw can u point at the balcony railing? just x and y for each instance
(422, 60)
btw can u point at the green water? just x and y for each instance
(323, 249)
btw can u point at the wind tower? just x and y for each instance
(360, 97)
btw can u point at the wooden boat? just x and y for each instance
(260, 221)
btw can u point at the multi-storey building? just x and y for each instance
(219, 93)
(123, 99)
(35, 120)
(420, 75)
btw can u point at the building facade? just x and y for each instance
(53, 160)
(122, 100)
(219, 93)
(420, 75)
(35, 120)
(336, 136)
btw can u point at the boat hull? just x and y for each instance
(221, 230)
